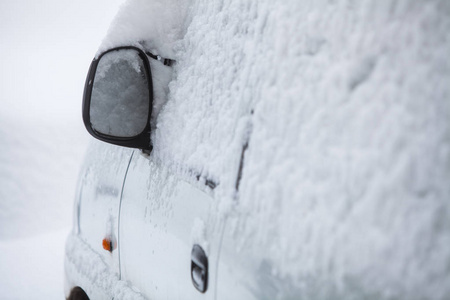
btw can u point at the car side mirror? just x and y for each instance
(118, 98)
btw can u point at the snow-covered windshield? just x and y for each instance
(120, 96)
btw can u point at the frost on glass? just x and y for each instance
(120, 95)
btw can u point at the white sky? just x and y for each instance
(45, 51)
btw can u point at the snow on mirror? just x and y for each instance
(120, 95)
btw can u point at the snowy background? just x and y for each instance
(45, 51)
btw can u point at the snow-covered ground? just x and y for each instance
(45, 51)
(31, 267)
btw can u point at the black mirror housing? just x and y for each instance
(118, 98)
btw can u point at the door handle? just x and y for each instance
(199, 269)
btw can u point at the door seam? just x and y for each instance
(118, 218)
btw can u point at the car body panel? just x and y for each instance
(100, 187)
(162, 216)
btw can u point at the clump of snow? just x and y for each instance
(161, 76)
(127, 58)
(120, 94)
(158, 24)
(155, 27)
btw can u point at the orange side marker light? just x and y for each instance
(107, 244)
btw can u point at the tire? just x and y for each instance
(77, 293)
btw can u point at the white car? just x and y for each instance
(262, 150)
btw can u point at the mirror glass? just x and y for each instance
(120, 95)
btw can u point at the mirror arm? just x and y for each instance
(166, 61)
(146, 152)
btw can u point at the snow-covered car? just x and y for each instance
(266, 150)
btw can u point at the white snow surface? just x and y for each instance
(345, 187)
(157, 23)
(32, 267)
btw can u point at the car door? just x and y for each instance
(164, 215)
(101, 181)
